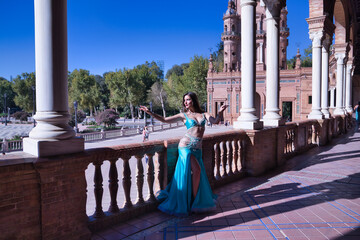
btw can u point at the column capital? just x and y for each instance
(349, 67)
(316, 38)
(340, 57)
(326, 42)
(274, 7)
(247, 2)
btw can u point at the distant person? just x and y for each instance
(146, 134)
(357, 115)
(189, 189)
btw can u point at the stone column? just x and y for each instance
(248, 118)
(52, 134)
(339, 110)
(272, 116)
(316, 38)
(261, 56)
(348, 92)
(332, 98)
(325, 76)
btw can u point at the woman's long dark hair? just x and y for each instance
(194, 100)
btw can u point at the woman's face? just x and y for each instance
(188, 102)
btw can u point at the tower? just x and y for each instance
(284, 34)
(231, 39)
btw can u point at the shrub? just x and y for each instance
(107, 117)
(80, 117)
(22, 116)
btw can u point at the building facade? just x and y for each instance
(295, 88)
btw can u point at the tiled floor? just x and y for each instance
(315, 196)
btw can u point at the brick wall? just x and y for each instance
(19, 202)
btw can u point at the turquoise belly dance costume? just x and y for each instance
(177, 199)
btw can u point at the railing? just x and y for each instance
(96, 136)
(230, 33)
(9, 146)
(144, 170)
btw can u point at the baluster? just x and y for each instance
(113, 185)
(160, 171)
(126, 181)
(98, 190)
(230, 157)
(236, 155)
(223, 157)
(242, 154)
(140, 179)
(217, 160)
(150, 177)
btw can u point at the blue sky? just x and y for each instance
(112, 34)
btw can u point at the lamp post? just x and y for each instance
(5, 108)
(33, 89)
(76, 125)
(151, 117)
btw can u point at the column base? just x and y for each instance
(273, 122)
(316, 115)
(349, 110)
(339, 112)
(52, 147)
(248, 125)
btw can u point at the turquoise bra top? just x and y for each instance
(190, 122)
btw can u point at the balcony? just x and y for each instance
(71, 185)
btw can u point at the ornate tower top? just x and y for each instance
(298, 60)
(231, 8)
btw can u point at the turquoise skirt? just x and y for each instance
(177, 198)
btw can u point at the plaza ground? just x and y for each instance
(314, 196)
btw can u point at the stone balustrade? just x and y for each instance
(49, 197)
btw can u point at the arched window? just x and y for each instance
(233, 28)
(225, 28)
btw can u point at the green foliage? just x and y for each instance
(291, 63)
(178, 70)
(158, 96)
(22, 86)
(84, 89)
(104, 91)
(5, 87)
(306, 60)
(218, 57)
(193, 79)
(80, 115)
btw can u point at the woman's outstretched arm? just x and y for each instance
(219, 116)
(172, 119)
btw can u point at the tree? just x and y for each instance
(306, 60)
(104, 90)
(158, 96)
(178, 70)
(22, 86)
(80, 116)
(126, 88)
(6, 88)
(108, 118)
(84, 89)
(148, 74)
(175, 89)
(218, 57)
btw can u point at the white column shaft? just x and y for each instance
(272, 116)
(52, 134)
(316, 76)
(261, 57)
(248, 118)
(348, 94)
(325, 82)
(339, 84)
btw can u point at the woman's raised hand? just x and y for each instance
(143, 108)
(223, 107)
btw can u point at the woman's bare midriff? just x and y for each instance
(196, 131)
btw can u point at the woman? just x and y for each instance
(357, 116)
(189, 190)
(145, 134)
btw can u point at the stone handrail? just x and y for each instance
(144, 170)
(9, 146)
(84, 188)
(97, 136)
